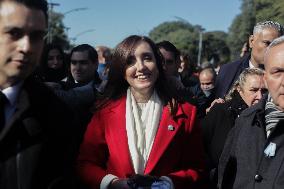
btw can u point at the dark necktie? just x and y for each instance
(3, 101)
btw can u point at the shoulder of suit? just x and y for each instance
(41, 95)
(231, 64)
(238, 62)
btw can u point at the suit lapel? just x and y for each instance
(168, 128)
(22, 105)
(118, 133)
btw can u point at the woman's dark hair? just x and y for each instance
(168, 46)
(44, 73)
(46, 50)
(117, 85)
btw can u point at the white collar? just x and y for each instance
(12, 93)
(251, 65)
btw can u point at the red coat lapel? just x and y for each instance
(165, 134)
(118, 134)
(168, 128)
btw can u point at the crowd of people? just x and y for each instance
(138, 116)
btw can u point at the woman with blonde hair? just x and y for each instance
(246, 91)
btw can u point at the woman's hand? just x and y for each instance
(218, 100)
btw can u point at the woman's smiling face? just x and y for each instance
(142, 72)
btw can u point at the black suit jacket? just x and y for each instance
(228, 74)
(37, 145)
(243, 163)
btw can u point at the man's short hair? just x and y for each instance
(35, 4)
(260, 26)
(168, 46)
(92, 53)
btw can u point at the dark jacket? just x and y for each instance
(216, 126)
(191, 94)
(70, 82)
(50, 75)
(188, 79)
(243, 164)
(80, 100)
(210, 98)
(228, 74)
(37, 145)
(194, 96)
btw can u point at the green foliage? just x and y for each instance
(185, 37)
(270, 10)
(226, 46)
(214, 45)
(160, 32)
(252, 11)
(57, 30)
(241, 28)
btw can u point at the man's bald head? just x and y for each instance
(207, 78)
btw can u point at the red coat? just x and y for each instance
(176, 153)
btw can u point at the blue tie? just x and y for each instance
(3, 101)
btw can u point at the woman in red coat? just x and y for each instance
(140, 135)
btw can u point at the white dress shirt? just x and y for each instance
(11, 94)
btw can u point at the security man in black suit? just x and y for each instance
(36, 130)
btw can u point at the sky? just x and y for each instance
(108, 22)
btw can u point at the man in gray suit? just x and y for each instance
(36, 145)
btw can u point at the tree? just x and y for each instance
(56, 30)
(215, 48)
(270, 10)
(252, 11)
(185, 37)
(241, 28)
(181, 33)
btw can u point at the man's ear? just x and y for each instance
(264, 79)
(251, 41)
